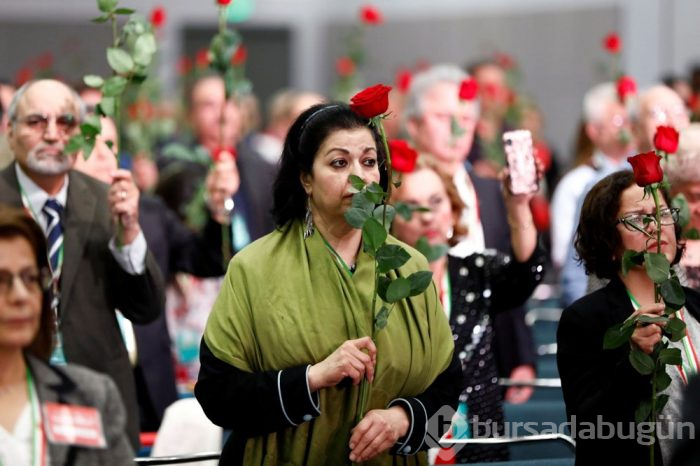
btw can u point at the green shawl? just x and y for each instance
(287, 301)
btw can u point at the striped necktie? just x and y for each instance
(54, 232)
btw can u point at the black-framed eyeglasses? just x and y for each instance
(637, 222)
(33, 280)
(65, 123)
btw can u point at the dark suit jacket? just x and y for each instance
(257, 179)
(76, 385)
(93, 285)
(603, 382)
(176, 249)
(512, 337)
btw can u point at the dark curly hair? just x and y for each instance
(597, 239)
(16, 223)
(303, 140)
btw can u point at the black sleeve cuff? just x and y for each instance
(414, 440)
(296, 400)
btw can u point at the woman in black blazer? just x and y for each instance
(601, 388)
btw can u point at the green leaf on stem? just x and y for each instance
(431, 252)
(657, 266)
(119, 60)
(398, 289)
(375, 193)
(74, 144)
(361, 201)
(670, 356)
(124, 11)
(356, 217)
(93, 80)
(107, 106)
(420, 281)
(101, 19)
(672, 293)
(114, 86)
(106, 6)
(631, 259)
(675, 328)
(144, 48)
(378, 213)
(356, 182)
(642, 362)
(617, 336)
(381, 318)
(404, 210)
(373, 236)
(681, 203)
(88, 146)
(691, 233)
(663, 380)
(390, 257)
(643, 411)
(382, 286)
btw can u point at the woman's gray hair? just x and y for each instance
(597, 100)
(424, 81)
(17, 97)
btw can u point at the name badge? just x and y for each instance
(73, 425)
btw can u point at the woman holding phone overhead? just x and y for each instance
(472, 289)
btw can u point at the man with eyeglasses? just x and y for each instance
(97, 252)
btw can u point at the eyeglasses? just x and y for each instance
(639, 222)
(65, 123)
(33, 280)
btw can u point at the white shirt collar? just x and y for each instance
(37, 197)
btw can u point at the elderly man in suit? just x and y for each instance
(95, 269)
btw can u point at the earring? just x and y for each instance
(450, 233)
(308, 221)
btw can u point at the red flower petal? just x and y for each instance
(240, 56)
(468, 89)
(345, 67)
(403, 156)
(371, 15)
(647, 169)
(612, 43)
(371, 102)
(626, 86)
(403, 80)
(158, 16)
(666, 139)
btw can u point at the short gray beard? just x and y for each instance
(48, 164)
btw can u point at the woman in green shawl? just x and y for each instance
(290, 337)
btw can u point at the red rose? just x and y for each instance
(371, 15)
(612, 43)
(403, 156)
(23, 75)
(240, 56)
(158, 16)
(647, 169)
(224, 153)
(666, 139)
(468, 89)
(45, 61)
(223, 2)
(403, 80)
(202, 58)
(371, 102)
(626, 86)
(184, 65)
(344, 66)
(539, 206)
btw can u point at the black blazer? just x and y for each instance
(598, 382)
(93, 285)
(175, 248)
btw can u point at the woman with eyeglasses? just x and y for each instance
(48, 414)
(601, 388)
